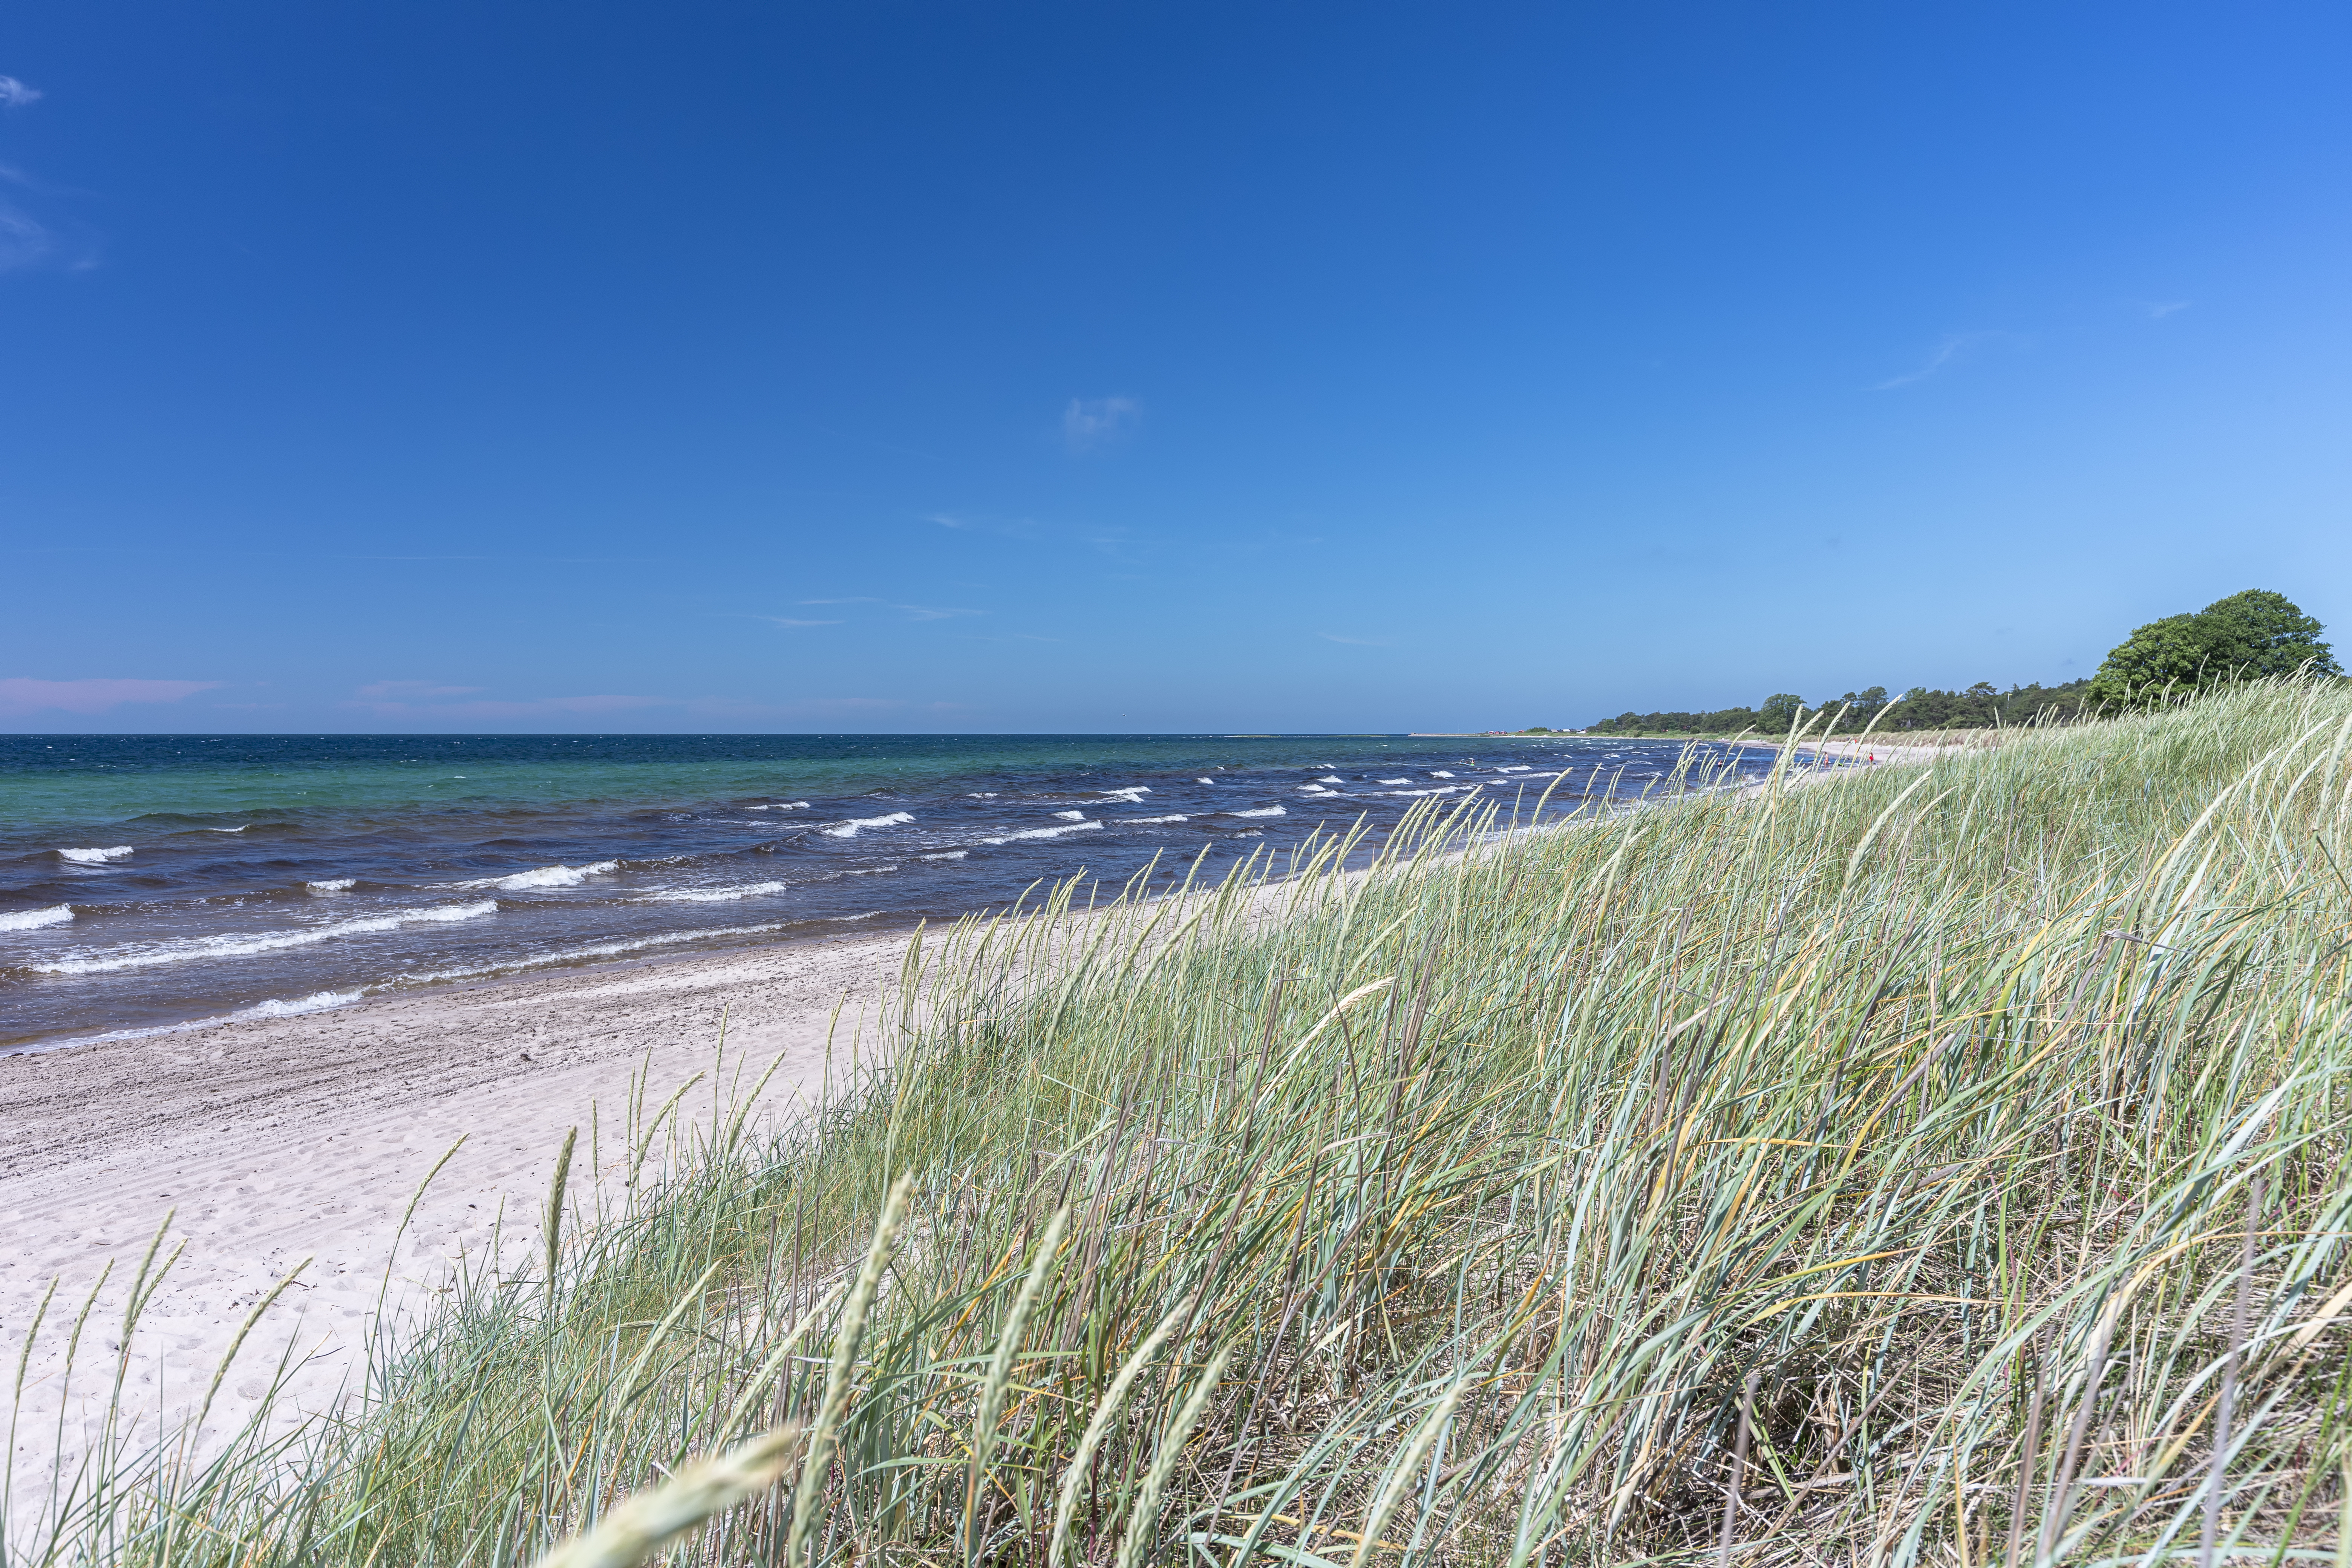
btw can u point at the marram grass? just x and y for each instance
(1968, 1154)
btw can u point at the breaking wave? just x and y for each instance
(244, 944)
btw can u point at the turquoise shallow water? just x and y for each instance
(149, 880)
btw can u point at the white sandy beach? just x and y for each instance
(276, 1141)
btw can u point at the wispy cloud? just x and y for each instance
(946, 520)
(789, 621)
(837, 601)
(933, 613)
(1089, 423)
(2164, 308)
(1355, 642)
(14, 94)
(22, 241)
(22, 695)
(1957, 349)
(411, 691)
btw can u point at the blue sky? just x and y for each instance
(1148, 367)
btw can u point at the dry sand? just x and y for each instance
(275, 1141)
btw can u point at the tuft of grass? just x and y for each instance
(1882, 1172)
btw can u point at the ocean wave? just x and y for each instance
(1439, 773)
(1204, 781)
(1392, 781)
(1130, 793)
(544, 877)
(1262, 811)
(34, 920)
(317, 1002)
(1179, 817)
(784, 806)
(1071, 815)
(94, 856)
(601, 950)
(712, 895)
(849, 829)
(227, 829)
(1043, 832)
(245, 945)
(945, 855)
(333, 885)
(1330, 778)
(1520, 768)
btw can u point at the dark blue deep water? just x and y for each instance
(149, 880)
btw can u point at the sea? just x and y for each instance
(153, 882)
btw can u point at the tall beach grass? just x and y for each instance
(1943, 1165)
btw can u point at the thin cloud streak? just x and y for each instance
(1957, 349)
(21, 694)
(14, 94)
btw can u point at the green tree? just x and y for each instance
(2244, 636)
(2266, 634)
(1779, 711)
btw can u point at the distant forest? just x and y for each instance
(1981, 706)
(2256, 635)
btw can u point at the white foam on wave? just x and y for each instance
(317, 1002)
(979, 795)
(712, 895)
(1330, 778)
(1132, 793)
(227, 829)
(869, 870)
(1439, 773)
(544, 877)
(1043, 832)
(781, 805)
(1392, 781)
(1204, 781)
(1263, 811)
(573, 954)
(1179, 817)
(849, 829)
(1517, 768)
(946, 855)
(34, 920)
(94, 856)
(1071, 815)
(244, 944)
(332, 885)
